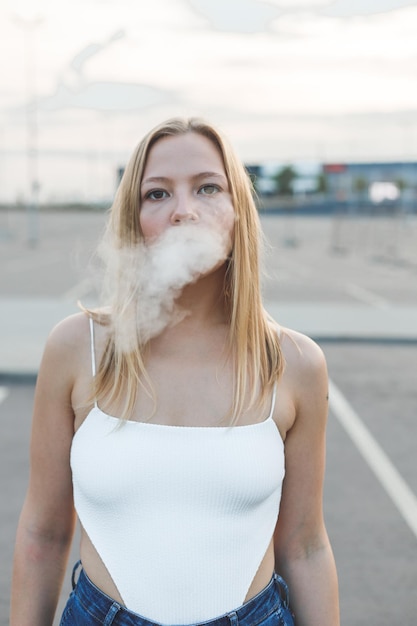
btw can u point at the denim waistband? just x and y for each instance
(106, 610)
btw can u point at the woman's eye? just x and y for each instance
(156, 194)
(209, 190)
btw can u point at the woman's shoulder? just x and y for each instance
(73, 330)
(304, 358)
(299, 344)
(68, 332)
(69, 343)
(65, 347)
(64, 344)
(305, 376)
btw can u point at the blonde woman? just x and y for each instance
(181, 424)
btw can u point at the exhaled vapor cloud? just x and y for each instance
(141, 284)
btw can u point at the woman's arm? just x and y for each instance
(302, 549)
(47, 520)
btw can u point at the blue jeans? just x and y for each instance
(88, 606)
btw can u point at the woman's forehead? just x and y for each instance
(180, 153)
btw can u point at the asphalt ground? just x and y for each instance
(326, 261)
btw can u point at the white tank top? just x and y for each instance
(180, 516)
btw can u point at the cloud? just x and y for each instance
(74, 91)
(91, 50)
(106, 96)
(350, 8)
(256, 16)
(300, 4)
(241, 16)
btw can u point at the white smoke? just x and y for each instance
(143, 283)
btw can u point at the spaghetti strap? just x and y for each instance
(274, 396)
(274, 391)
(93, 354)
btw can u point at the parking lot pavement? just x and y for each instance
(375, 547)
(345, 282)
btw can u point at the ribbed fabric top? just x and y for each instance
(180, 516)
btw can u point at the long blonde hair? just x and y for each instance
(254, 340)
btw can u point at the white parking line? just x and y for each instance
(383, 468)
(4, 392)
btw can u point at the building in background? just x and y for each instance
(372, 184)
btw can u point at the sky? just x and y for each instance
(287, 80)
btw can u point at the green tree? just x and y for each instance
(360, 185)
(401, 184)
(321, 183)
(284, 179)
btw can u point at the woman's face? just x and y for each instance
(184, 182)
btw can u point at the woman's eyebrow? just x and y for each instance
(156, 179)
(165, 179)
(208, 175)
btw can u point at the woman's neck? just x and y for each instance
(204, 300)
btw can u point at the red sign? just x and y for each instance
(334, 168)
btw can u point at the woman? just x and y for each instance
(168, 420)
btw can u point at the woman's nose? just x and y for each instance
(184, 211)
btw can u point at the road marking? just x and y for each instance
(365, 295)
(4, 392)
(386, 472)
